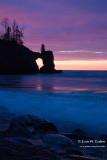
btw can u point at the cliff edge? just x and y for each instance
(17, 59)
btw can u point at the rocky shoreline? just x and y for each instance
(30, 137)
(17, 59)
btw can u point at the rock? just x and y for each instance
(104, 137)
(58, 71)
(17, 59)
(19, 140)
(94, 152)
(57, 141)
(28, 125)
(97, 154)
(74, 151)
(72, 136)
(48, 63)
(76, 157)
(80, 133)
(14, 151)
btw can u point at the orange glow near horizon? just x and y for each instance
(79, 64)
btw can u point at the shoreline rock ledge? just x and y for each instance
(18, 59)
(30, 137)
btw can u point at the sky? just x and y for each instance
(75, 30)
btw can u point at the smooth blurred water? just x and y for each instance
(67, 82)
(73, 99)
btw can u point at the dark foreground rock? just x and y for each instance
(14, 151)
(31, 137)
(29, 125)
(58, 141)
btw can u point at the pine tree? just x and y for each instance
(13, 33)
(7, 35)
(42, 48)
(17, 33)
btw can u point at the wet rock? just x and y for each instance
(20, 140)
(97, 154)
(72, 136)
(74, 151)
(80, 133)
(57, 141)
(76, 157)
(13, 151)
(104, 137)
(58, 71)
(28, 125)
(93, 152)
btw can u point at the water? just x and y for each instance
(73, 99)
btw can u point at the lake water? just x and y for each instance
(73, 99)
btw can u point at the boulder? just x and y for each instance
(77, 157)
(104, 137)
(80, 134)
(19, 140)
(74, 151)
(72, 136)
(10, 150)
(94, 152)
(29, 125)
(57, 141)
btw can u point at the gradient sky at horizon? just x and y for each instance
(74, 29)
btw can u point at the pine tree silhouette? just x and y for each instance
(12, 33)
(7, 34)
(42, 48)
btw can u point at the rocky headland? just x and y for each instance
(18, 59)
(30, 137)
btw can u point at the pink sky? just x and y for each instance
(76, 30)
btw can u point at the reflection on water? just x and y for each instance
(61, 83)
(68, 111)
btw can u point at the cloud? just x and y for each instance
(78, 27)
(82, 51)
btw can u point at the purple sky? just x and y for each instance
(73, 29)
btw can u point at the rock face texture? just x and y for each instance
(17, 59)
(48, 63)
(29, 125)
(57, 141)
(14, 151)
(30, 137)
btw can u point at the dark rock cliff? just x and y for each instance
(17, 59)
(48, 63)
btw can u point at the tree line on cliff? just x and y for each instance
(11, 33)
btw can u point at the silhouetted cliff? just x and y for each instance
(48, 61)
(17, 59)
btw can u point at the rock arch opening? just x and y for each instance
(39, 62)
